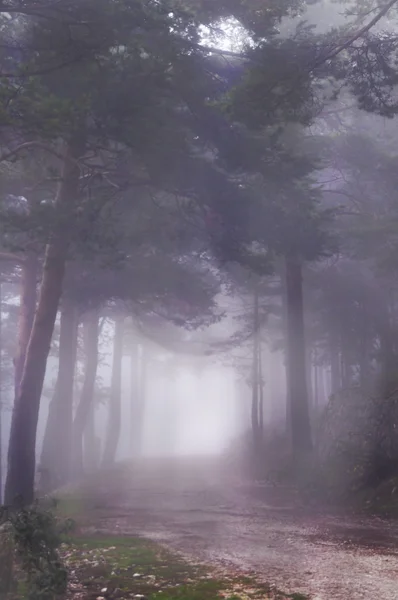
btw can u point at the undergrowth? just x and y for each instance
(30, 563)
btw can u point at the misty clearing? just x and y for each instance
(199, 299)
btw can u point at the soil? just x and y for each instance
(195, 506)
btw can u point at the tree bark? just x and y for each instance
(115, 404)
(334, 362)
(261, 391)
(297, 379)
(255, 376)
(22, 446)
(286, 352)
(135, 414)
(28, 298)
(90, 332)
(90, 442)
(57, 444)
(138, 398)
(308, 367)
(346, 362)
(1, 397)
(316, 395)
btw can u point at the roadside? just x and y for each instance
(194, 508)
(123, 567)
(105, 565)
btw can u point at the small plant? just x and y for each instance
(7, 545)
(36, 537)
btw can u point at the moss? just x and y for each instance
(120, 567)
(128, 566)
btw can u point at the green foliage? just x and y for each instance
(7, 581)
(35, 536)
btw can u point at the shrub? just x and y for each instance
(31, 539)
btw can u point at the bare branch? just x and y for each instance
(10, 257)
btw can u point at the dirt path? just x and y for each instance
(194, 508)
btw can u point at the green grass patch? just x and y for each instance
(130, 567)
(125, 567)
(112, 567)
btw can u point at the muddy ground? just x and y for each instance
(193, 506)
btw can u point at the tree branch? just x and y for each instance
(45, 70)
(28, 145)
(365, 29)
(9, 256)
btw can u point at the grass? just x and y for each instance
(121, 567)
(128, 567)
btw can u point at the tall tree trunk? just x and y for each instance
(308, 367)
(323, 382)
(22, 456)
(90, 442)
(255, 375)
(90, 333)
(1, 396)
(28, 298)
(57, 444)
(297, 380)
(286, 350)
(135, 413)
(316, 381)
(261, 391)
(115, 404)
(138, 398)
(346, 363)
(334, 361)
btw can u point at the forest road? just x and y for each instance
(194, 507)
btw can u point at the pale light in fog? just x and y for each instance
(194, 414)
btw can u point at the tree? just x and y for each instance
(21, 459)
(57, 450)
(90, 333)
(48, 100)
(114, 417)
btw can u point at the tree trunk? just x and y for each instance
(255, 376)
(90, 442)
(308, 366)
(261, 392)
(90, 333)
(28, 298)
(22, 454)
(285, 349)
(316, 383)
(323, 382)
(346, 364)
(1, 397)
(135, 414)
(138, 397)
(115, 404)
(334, 362)
(297, 379)
(57, 444)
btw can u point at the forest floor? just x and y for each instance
(254, 538)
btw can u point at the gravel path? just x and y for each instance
(194, 508)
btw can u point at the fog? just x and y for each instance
(199, 275)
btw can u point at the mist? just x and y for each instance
(199, 284)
